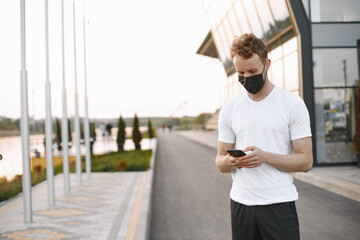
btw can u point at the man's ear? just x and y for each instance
(268, 63)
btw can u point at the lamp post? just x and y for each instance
(86, 123)
(48, 123)
(77, 120)
(64, 123)
(26, 178)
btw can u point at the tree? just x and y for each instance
(69, 133)
(136, 135)
(92, 136)
(58, 137)
(150, 130)
(121, 135)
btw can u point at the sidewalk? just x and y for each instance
(106, 206)
(340, 180)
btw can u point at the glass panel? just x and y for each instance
(291, 69)
(234, 23)
(219, 46)
(229, 30)
(281, 14)
(290, 46)
(227, 4)
(335, 125)
(214, 14)
(206, 4)
(266, 19)
(211, 20)
(239, 11)
(255, 24)
(335, 34)
(335, 67)
(287, 36)
(276, 54)
(226, 46)
(273, 44)
(225, 40)
(219, 5)
(335, 10)
(277, 73)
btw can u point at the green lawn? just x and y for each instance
(136, 160)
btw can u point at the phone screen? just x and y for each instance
(236, 152)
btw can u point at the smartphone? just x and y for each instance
(236, 153)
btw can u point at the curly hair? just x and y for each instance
(248, 44)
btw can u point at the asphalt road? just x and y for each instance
(191, 199)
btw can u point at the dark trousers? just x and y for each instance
(264, 222)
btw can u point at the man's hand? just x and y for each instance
(253, 159)
(234, 161)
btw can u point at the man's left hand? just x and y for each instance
(254, 159)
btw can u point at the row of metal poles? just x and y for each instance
(26, 178)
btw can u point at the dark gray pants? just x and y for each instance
(264, 222)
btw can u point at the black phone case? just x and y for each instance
(236, 153)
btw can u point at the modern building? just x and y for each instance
(314, 46)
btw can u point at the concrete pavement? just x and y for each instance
(191, 198)
(340, 180)
(106, 206)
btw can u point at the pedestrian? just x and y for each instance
(272, 126)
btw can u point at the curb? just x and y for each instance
(143, 225)
(334, 185)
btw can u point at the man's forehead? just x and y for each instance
(247, 63)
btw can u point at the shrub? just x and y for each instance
(150, 129)
(136, 134)
(121, 135)
(120, 166)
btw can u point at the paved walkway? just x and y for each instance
(105, 206)
(341, 180)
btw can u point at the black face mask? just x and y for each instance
(253, 84)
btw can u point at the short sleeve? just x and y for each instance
(299, 120)
(225, 132)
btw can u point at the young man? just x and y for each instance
(273, 127)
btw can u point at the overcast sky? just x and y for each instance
(140, 58)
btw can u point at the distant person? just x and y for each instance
(163, 127)
(103, 130)
(108, 130)
(273, 127)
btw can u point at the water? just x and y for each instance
(10, 148)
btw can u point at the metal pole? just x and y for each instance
(64, 123)
(86, 123)
(26, 178)
(77, 121)
(48, 124)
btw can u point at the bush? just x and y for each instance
(122, 161)
(111, 162)
(121, 135)
(121, 166)
(136, 134)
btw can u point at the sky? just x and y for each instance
(140, 58)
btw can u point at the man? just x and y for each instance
(273, 127)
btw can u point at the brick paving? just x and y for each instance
(100, 208)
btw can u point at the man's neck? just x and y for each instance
(264, 92)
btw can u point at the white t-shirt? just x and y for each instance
(270, 125)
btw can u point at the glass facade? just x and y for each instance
(335, 31)
(268, 20)
(335, 44)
